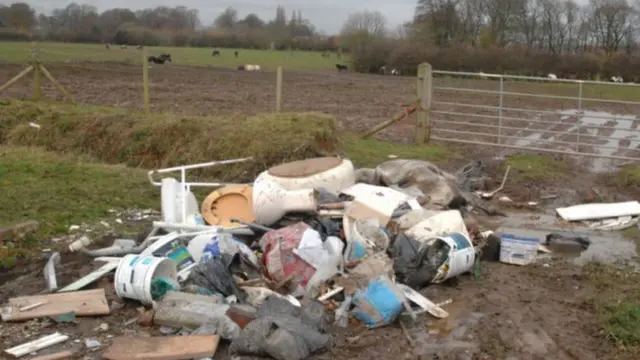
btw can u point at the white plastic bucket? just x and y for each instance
(171, 247)
(461, 257)
(135, 273)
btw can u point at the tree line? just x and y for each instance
(598, 39)
(167, 26)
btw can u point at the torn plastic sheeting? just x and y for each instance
(438, 185)
(379, 304)
(215, 275)
(283, 331)
(619, 224)
(279, 257)
(599, 211)
(206, 246)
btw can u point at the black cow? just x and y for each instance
(159, 59)
(341, 67)
(216, 52)
(236, 53)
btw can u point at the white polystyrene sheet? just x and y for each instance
(599, 211)
(443, 223)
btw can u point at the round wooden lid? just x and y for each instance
(233, 201)
(304, 168)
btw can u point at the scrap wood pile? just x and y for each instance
(272, 267)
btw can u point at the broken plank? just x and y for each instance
(91, 277)
(82, 303)
(162, 347)
(56, 356)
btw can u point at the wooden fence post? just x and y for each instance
(145, 81)
(35, 62)
(424, 91)
(279, 89)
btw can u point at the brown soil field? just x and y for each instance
(542, 311)
(360, 101)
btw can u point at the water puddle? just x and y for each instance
(449, 335)
(600, 132)
(606, 246)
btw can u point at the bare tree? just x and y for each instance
(371, 23)
(612, 21)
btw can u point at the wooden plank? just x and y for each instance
(83, 303)
(56, 356)
(162, 347)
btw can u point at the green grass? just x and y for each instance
(617, 304)
(20, 52)
(629, 176)
(60, 190)
(371, 152)
(532, 167)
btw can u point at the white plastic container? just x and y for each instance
(171, 247)
(135, 273)
(516, 249)
(460, 259)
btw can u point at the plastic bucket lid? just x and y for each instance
(135, 274)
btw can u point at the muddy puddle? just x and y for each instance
(610, 247)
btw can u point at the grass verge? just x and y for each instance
(131, 138)
(61, 190)
(371, 152)
(531, 167)
(629, 176)
(617, 304)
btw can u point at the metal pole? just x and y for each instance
(580, 115)
(500, 110)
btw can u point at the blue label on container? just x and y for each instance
(133, 261)
(176, 252)
(461, 241)
(517, 238)
(147, 261)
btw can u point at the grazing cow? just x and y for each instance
(216, 52)
(552, 76)
(107, 46)
(341, 67)
(383, 70)
(235, 53)
(159, 59)
(395, 72)
(241, 68)
(248, 67)
(617, 79)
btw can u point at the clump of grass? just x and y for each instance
(162, 140)
(623, 324)
(533, 167)
(629, 176)
(371, 152)
(617, 303)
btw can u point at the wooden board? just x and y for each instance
(162, 347)
(83, 303)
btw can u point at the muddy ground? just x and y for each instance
(542, 311)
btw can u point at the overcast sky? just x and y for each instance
(327, 15)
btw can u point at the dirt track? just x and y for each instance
(511, 312)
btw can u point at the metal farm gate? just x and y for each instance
(591, 118)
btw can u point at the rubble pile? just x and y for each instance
(271, 267)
